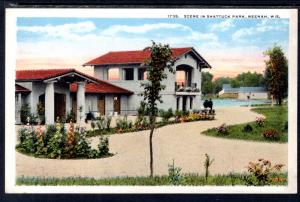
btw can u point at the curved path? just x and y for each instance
(181, 142)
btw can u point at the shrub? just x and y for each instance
(108, 122)
(286, 125)
(103, 146)
(261, 171)
(93, 125)
(25, 112)
(271, 134)
(166, 115)
(142, 123)
(70, 117)
(56, 142)
(142, 110)
(101, 122)
(222, 129)
(260, 121)
(174, 174)
(123, 124)
(27, 141)
(178, 113)
(247, 128)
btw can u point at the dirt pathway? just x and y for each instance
(181, 142)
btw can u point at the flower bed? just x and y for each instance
(142, 123)
(56, 142)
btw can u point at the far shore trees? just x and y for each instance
(157, 64)
(276, 74)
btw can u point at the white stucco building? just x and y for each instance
(125, 69)
(114, 89)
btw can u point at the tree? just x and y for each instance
(276, 73)
(248, 79)
(206, 83)
(159, 61)
(219, 83)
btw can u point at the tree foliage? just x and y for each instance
(207, 83)
(159, 62)
(276, 73)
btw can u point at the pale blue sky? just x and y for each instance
(229, 45)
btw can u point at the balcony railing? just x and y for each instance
(182, 87)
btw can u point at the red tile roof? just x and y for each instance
(40, 74)
(43, 74)
(130, 57)
(101, 87)
(21, 89)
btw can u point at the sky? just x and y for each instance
(230, 46)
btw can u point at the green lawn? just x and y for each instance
(276, 118)
(185, 180)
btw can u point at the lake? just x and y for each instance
(217, 103)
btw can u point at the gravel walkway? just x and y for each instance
(181, 142)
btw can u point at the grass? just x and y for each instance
(276, 117)
(185, 180)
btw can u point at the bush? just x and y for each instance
(222, 129)
(93, 125)
(123, 124)
(174, 174)
(70, 117)
(25, 112)
(103, 146)
(261, 171)
(271, 134)
(142, 123)
(166, 115)
(260, 121)
(55, 142)
(247, 128)
(108, 122)
(142, 110)
(286, 126)
(101, 122)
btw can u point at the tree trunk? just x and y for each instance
(151, 152)
(152, 122)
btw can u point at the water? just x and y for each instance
(217, 103)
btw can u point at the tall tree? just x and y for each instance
(207, 83)
(157, 64)
(276, 73)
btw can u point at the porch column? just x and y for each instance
(18, 109)
(135, 74)
(179, 103)
(80, 102)
(49, 103)
(187, 103)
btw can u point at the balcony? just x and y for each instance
(185, 89)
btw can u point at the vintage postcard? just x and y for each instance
(151, 100)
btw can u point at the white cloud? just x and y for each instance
(222, 26)
(264, 26)
(142, 29)
(63, 31)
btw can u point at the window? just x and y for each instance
(180, 77)
(113, 74)
(191, 103)
(142, 74)
(128, 74)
